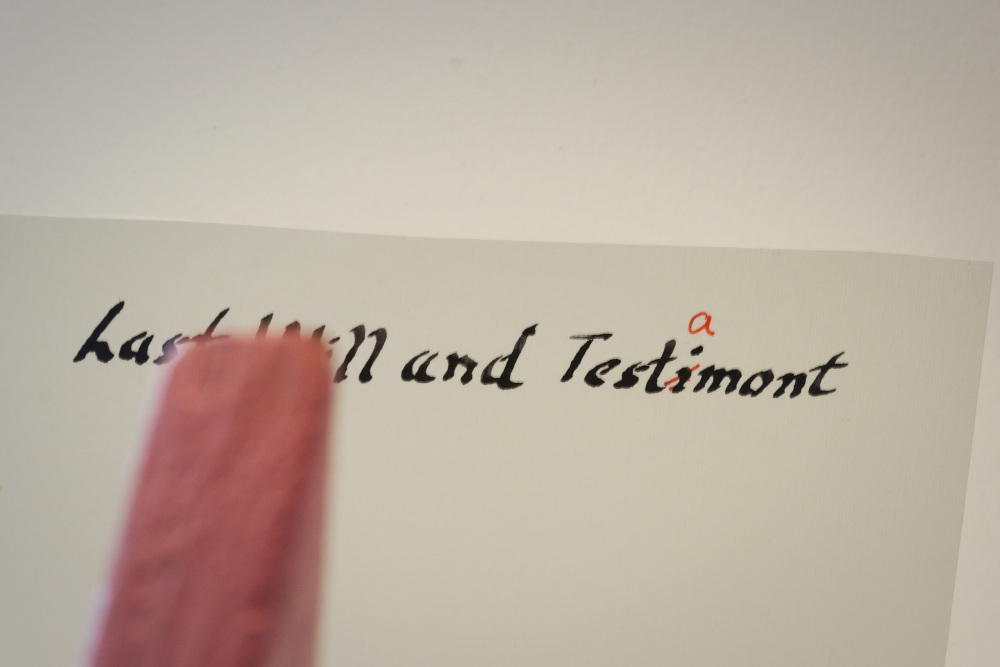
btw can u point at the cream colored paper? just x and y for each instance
(549, 523)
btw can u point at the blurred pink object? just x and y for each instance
(219, 562)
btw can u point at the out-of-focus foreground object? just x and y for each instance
(219, 561)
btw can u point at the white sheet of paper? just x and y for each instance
(553, 522)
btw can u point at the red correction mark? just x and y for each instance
(678, 377)
(704, 326)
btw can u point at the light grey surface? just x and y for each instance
(830, 126)
(554, 523)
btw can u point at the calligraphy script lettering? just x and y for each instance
(367, 345)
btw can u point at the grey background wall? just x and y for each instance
(841, 125)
